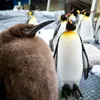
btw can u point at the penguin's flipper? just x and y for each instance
(56, 49)
(54, 35)
(85, 64)
(56, 60)
(85, 61)
(55, 54)
(56, 30)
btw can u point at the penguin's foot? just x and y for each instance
(66, 91)
(76, 92)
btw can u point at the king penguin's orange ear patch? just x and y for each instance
(78, 11)
(84, 13)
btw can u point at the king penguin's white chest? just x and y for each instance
(70, 64)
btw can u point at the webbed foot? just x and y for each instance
(76, 92)
(66, 91)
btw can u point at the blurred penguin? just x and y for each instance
(32, 18)
(73, 15)
(86, 29)
(80, 17)
(61, 27)
(71, 60)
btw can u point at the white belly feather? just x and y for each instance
(70, 64)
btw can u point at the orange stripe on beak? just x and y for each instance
(67, 15)
(70, 22)
(69, 12)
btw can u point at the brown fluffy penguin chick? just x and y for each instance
(26, 66)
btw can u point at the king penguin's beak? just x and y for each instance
(32, 32)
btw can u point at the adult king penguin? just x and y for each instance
(74, 14)
(86, 29)
(71, 61)
(61, 27)
(32, 19)
(80, 18)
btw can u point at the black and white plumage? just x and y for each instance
(85, 28)
(71, 60)
(61, 27)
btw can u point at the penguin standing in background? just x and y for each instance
(32, 19)
(71, 61)
(97, 32)
(80, 17)
(74, 15)
(86, 29)
(61, 27)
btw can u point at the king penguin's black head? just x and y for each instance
(87, 13)
(71, 25)
(83, 11)
(75, 12)
(63, 17)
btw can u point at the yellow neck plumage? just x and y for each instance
(69, 34)
(86, 17)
